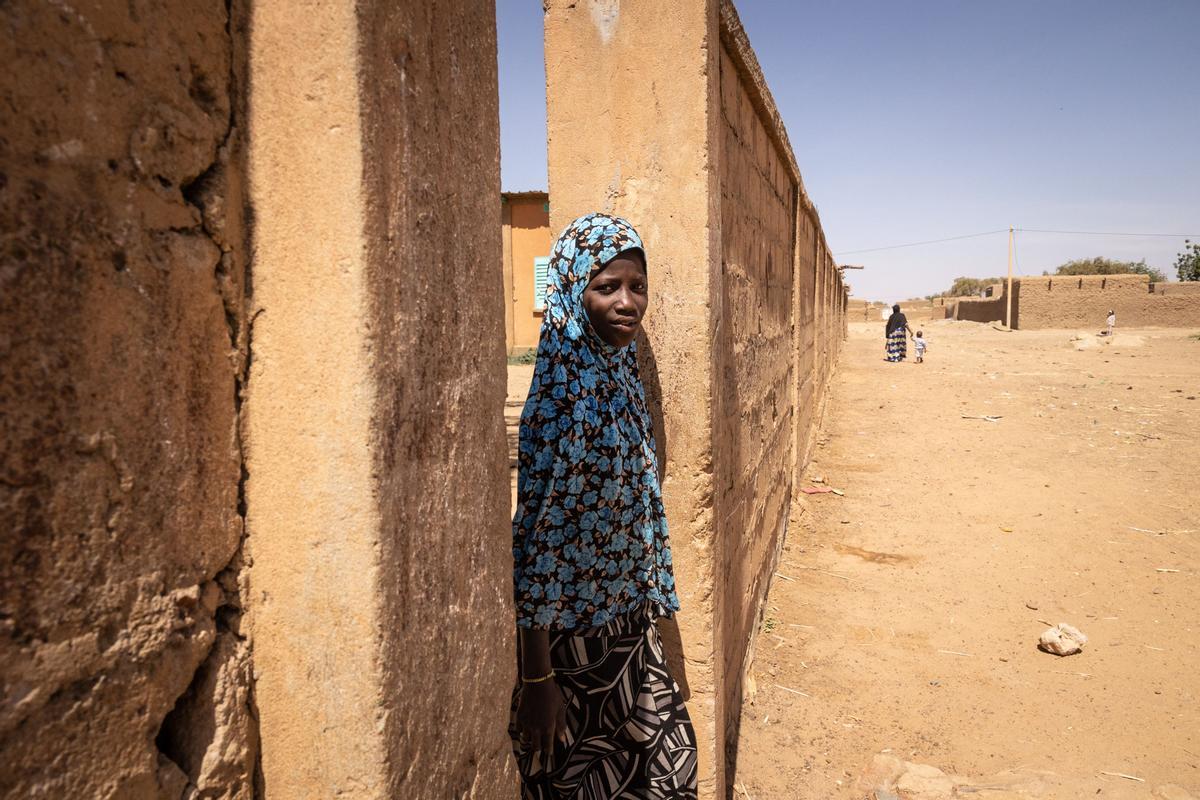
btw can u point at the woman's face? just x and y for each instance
(615, 299)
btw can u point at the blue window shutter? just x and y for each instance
(541, 274)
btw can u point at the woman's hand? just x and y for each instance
(542, 715)
(541, 711)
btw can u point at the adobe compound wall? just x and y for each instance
(982, 309)
(1067, 301)
(237, 558)
(660, 113)
(1083, 301)
(122, 269)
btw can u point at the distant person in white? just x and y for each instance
(919, 343)
(1112, 320)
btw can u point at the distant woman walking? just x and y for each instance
(896, 344)
(595, 714)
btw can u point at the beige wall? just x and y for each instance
(153, 449)
(1083, 301)
(121, 271)
(631, 131)
(525, 224)
(752, 396)
(1063, 301)
(659, 112)
(979, 309)
(804, 314)
(381, 590)
(1176, 288)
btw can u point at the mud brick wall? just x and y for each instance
(804, 311)
(1064, 301)
(125, 671)
(754, 363)
(1083, 301)
(660, 112)
(979, 309)
(1190, 288)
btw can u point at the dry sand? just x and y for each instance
(918, 597)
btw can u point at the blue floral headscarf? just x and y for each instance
(589, 534)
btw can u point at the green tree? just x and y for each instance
(969, 287)
(1108, 266)
(1187, 263)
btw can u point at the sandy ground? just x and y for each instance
(915, 601)
(908, 619)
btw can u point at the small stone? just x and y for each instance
(1062, 640)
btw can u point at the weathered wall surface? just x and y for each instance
(922, 310)
(525, 224)
(659, 112)
(1083, 301)
(804, 313)
(981, 309)
(1190, 288)
(1063, 301)
(381, 590)
(122, 257)
(631, 130)
(432, 131)
(752, 394)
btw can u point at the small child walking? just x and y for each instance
(920, 345)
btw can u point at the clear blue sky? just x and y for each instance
(934, 118)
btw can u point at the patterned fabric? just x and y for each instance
(897, 346)
(628, 732)
(589, 534)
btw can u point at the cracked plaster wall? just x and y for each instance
(121, 271)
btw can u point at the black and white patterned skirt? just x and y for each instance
(628, 732)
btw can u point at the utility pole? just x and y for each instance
(1008, 291)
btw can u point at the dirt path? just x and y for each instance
(912, 605)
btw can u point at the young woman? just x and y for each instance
(894, 333)
(595, 713)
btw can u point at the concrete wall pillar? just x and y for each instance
(380, 592)
(632, 130)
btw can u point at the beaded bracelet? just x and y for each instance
(545, 677)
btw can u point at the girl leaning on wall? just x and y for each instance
(595, 713)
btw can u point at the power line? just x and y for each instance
(916, 244)
(1105, 233)
(1005, 230)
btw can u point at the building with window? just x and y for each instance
(525, 220)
